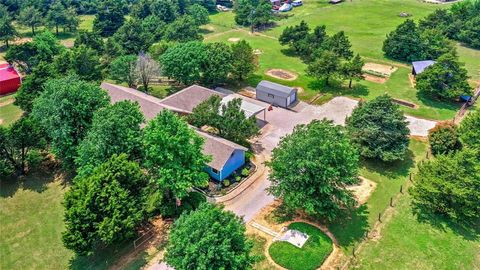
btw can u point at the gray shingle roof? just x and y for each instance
(275, 88)
(420, 66)
(187, 99)
(218, 148)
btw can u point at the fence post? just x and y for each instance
(391, 201)
(410, 177)
(353, 252)
(401, 189)
(379, 217)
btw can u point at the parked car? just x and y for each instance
(297, 3)
(285, 8)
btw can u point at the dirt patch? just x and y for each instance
(68, 43)
(385, 70)
(282, 74)
(247, 93)
(160, 237)
(299, 90)
(7, 102)
(234, 39)
(1, 121)
(363, 190)
(257, 52)
(374, 79)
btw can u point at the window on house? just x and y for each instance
(215, 171)
(271, 96)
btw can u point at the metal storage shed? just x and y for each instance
(276, 94)
(419, 66)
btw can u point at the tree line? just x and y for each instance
(326, 56)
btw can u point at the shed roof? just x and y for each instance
(7, 72)
(187, 99)
(219, 148)
(275, 88)
(420, 66)
(250, 109)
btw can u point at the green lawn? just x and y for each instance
(366, 22)
(9, 113)
(31, 222)
(259, 246)
(389, 178)
(310, 256)
(408, 243)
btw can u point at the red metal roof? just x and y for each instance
(8, 73)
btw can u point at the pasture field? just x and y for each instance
(366, 23)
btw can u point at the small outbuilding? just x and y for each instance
(420, 66)
(10, 80)
(276, 94)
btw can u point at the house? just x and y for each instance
(276, 94)
(226, 155)
(10, 80)
(185, 100)
(420, 66)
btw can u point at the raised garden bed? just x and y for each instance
(405, 103)
(216, 188)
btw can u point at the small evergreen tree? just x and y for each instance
(443, 139)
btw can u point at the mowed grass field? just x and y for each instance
(366, 23)
(409, 243)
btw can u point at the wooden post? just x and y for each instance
(401, 189)
(379, 217)
(353, 252)
(410, 177)
(391, 201)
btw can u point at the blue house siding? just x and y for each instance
(235, 161)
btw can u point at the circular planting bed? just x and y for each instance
(310, 256)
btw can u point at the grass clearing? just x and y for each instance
(259, 247)
(9, 112)
(366, 23)
(310, 256)
(389, 178)
(408, 243)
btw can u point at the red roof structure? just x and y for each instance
(10, 80)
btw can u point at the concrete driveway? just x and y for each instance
(280, 122)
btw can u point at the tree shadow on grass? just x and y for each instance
(469, 232)
(35, 182)
(352, 227)
(438, 104)
(392, 170)
(337, 88)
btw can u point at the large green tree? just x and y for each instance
(173, 155)
(30, 17)
(228, 119)
(340, 45)
(325, 66)
(115, 130)
(379, 129)
(469, 130)
(217, 64)
(65, 110)
(450, 185)
(132, 37)
(254, 13)
(444, 139)
(56, 16)
(352, 70)
(312, 167)
(199, 14)
(243, 60)
(105, 206)
(122, 69)
(18, 141)
(86, 63)
(183, 62)
(109, 17)
(295, 36)
(7, 31)
(32, 85)
(404, 43)
(198, 238)
(183, 29)
(44, 47)
(447, 79)
(90, 39)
